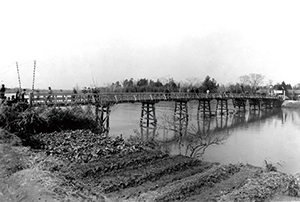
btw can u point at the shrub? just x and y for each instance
(30, 121)
(23, 120)
(8, 117)
(69, 119)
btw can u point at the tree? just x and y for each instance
(297, 86)
(115, 86)
(171, 86)
(142, 82)
(235, 88)
(155, 86)
(128, 85)
(282, 86)
(254, 80)
(209, 84)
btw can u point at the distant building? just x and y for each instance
(278, 92)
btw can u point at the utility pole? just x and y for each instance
(33, 75)
(19, 77)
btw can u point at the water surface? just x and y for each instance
(251, 137)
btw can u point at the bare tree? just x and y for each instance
(270, 82)
(297, 86)
(194, 82)
(195, 139)
(254, 80)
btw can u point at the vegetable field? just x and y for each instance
(80, 165)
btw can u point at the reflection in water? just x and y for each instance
(148, 133)
(193, 139)
(291, 115)
(199, 139)
(246, 137)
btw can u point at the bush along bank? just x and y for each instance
(24, 121)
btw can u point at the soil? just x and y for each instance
(145, 174)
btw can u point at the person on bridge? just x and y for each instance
(17, 96)
(23, 95)
(50, 94)
(168, 94)
(2, 92)
(74, 94)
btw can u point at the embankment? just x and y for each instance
(125, 171)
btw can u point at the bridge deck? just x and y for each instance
(114, 98)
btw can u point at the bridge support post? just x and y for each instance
(181, 117)
(147, 133)
(240, 103)
(181, 110)
(148, 117)
(268, 104)
(221, 123)
(102, 117)
(222, 105)
(277, 103)
(204, 108)
(255, 103)
(204, 125)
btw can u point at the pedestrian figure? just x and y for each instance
(17, 95)
(13, 99)
(89, 95)
(168, 94)
(2, 92)
(50, 94)
(23, 95)
(74, 94)
(37, 95)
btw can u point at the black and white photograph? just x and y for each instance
(149, 101)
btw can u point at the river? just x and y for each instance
(253, 137)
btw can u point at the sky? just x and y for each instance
(95, 43)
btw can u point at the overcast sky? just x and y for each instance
(98, 42)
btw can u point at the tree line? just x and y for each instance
(149, 85)
(248, 84)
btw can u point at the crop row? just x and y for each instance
(183, 188)
(131, 161)
(150, 173)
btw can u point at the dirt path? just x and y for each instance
(142, 175)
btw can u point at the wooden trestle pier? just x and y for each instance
(104, 101)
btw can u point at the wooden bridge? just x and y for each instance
(104, 101)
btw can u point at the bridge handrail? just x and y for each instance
(85, 98)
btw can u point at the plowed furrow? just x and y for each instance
(151, 172)
(183, 188)
(134, 191)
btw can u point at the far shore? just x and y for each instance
(291, 104)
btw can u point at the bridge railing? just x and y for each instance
(86, 98)
(132, 97)
(58, 98)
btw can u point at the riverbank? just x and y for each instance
(291, 104)
(69, 168)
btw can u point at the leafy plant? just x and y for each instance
(81, 145)
(270, 166)
(30, 121)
